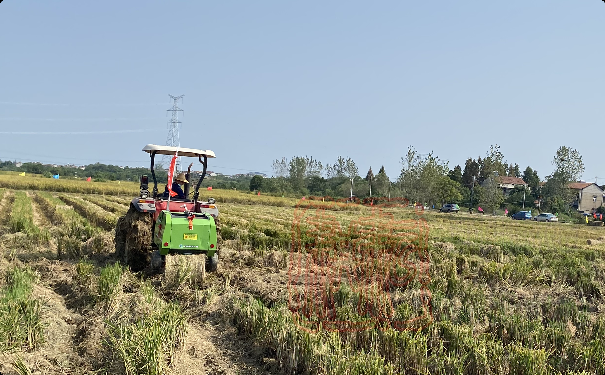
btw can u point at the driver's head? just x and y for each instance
(180, 179)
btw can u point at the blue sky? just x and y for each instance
(266, 79)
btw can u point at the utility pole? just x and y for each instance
(472, 191)
(173, 132)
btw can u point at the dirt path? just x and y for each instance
(212, 347)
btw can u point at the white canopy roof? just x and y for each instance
(170, 150)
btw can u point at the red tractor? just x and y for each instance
(157, 225)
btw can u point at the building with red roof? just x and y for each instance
(508, 184)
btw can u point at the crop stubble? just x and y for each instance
(506, 297)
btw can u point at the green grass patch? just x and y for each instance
(145, 346)
(109, 282)
(72, 228)
(21, 218)
(21, 326)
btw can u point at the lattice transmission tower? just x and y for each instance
(173, 132)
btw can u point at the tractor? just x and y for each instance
(156, 226)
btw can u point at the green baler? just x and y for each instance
(185, 233)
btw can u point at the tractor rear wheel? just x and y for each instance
(219, 239)
(134, 239)
(212, 263)
(120, 237)
(158, 263)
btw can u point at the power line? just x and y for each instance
(39, 104)
(240, 169)
(140, 163)
(81, 104)
(46, 158)
(49, 157)
(104, 161)
(55, 157)
(76, 119)
(80, 133)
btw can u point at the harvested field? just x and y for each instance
(501, 297)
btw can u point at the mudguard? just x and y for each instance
(143, 205)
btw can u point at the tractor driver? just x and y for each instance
(176, 187)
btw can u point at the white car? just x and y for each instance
(546, 217)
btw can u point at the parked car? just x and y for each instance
(522, 215)
(450, 207)
(546, 217)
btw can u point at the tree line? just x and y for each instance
(427, 179)
(423, 178)
(98, 171)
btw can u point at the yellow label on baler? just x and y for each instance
(190, 236)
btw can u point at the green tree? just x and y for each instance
(382, 182)
(297, 171)
(369, 179)
(532, 179)
(316, 185)
(513, 170)
(493, 162)
(490, 195)
(420, 175)
(351, 172)
(470, 176)
(519, 198)
(337, 170)
(557, 196)
(448, 191)
(280, 171)
(256, 183)
(568, 168)
(569, 164)
(409, 173)
(280, 167)
(456, 174)
(516, 171)
(343, 170)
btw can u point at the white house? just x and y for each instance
(589, 196)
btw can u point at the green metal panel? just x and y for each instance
(161, 236)
(172, 233)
